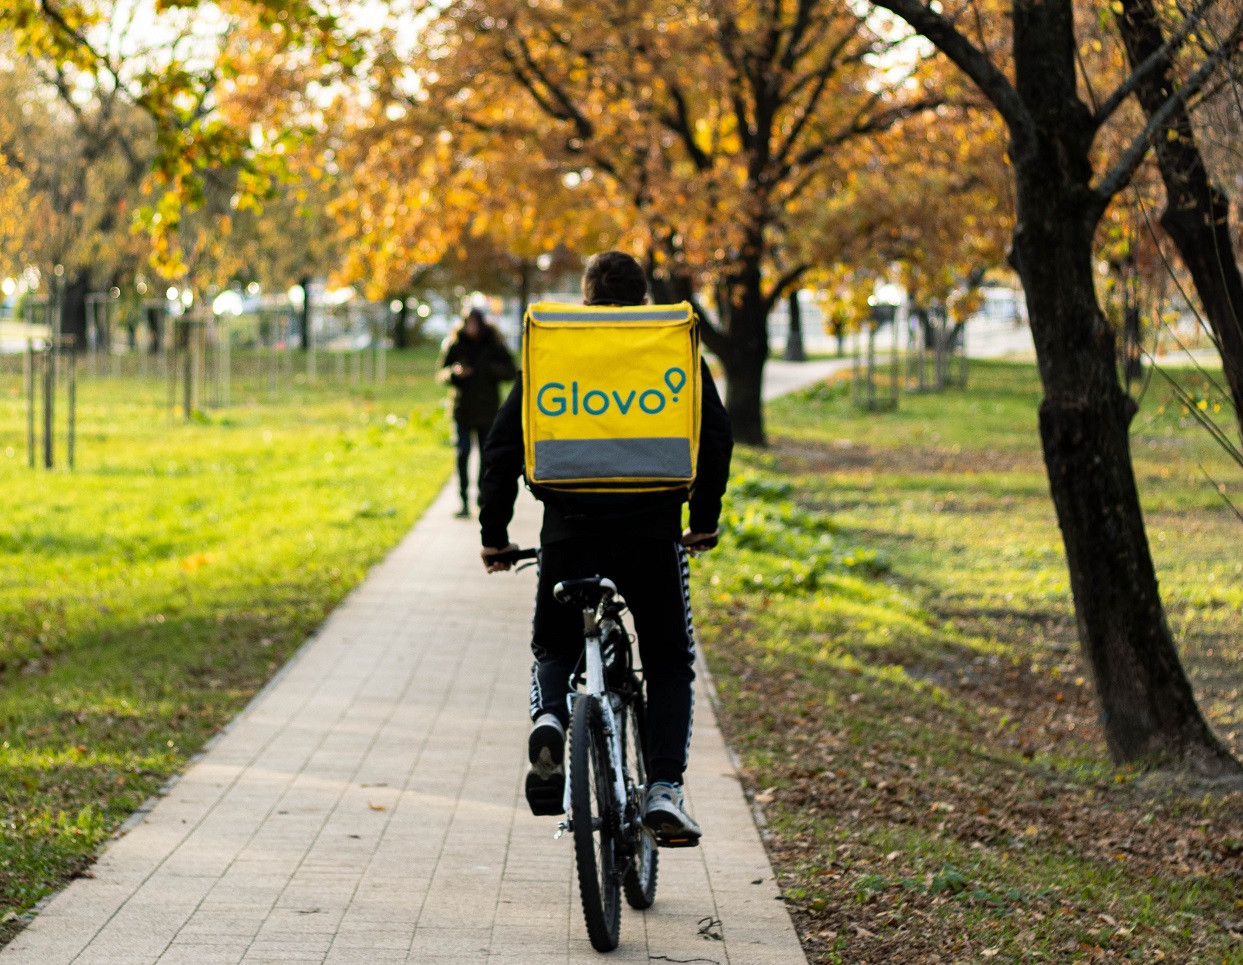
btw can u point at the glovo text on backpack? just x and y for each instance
(611, 397)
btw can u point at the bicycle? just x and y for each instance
(615, 854)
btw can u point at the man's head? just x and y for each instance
(473, 324)
(613, 278)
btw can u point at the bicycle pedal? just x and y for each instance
(685, 842)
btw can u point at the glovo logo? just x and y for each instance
(552, 398)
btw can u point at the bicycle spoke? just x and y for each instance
(639, 874)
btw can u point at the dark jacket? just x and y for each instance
(476, 397)
(574, 515)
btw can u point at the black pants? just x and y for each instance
(653, 577)
(464, 431)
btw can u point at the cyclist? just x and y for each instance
(636, 539)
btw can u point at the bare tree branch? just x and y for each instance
(820, 79)
(1122, 172)
(1151, 63)
(874, 125)
(782, 284)
(679, 123)
(527, 72)
(973, 61)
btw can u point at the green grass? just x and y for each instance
(889, 625)
(148, 594)
(893, 641)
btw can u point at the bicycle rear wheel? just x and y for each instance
(639, 879)
(595, 817)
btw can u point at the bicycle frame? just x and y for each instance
(597, 686)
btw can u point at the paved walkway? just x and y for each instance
(781, 377)
(367, 808)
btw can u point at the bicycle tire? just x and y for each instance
(594, 814)
(639, 879)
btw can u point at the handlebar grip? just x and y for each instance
(514, 556)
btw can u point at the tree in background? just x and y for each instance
(84, 151)
(1147, 708)
(229, 89)
(704, 133)
(1197, 208)
(417, 192)
(935, 218)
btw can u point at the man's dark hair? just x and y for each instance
(486, 330)
(613, 278)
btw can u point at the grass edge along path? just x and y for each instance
(150, 594)
(893, 645)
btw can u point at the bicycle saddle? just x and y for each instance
(587, 591)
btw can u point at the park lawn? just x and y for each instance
(893, 644)
(148, 595)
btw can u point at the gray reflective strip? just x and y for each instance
(652, 315)
(653, 458)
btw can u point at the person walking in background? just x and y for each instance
(475, 362)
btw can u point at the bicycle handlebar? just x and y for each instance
(514, 556)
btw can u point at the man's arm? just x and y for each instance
(446, 362)
(503, 460)
(716, 445)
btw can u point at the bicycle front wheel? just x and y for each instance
(595, 817)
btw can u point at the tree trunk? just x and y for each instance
(524, 300)
(401, 326)
(1202, 235)
(1147, 708)
(1197, 212)
(524, 289)
(746, 318)
(1132, 362)
(155, 316)
(744, 382)
(73, 307)
(304, 314)
(739, 340)
(1148, 711)
(794, 340)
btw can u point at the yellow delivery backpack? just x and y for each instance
(611, 397)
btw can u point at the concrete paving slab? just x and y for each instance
(367, 808)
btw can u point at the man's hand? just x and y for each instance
(697, 543)
(462, 371)
(493, 566)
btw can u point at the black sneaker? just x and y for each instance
(546, 778)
